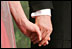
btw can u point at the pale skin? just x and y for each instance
(39, 32)
(27, 27)
(45, 25)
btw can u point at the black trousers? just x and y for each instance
(61, 20)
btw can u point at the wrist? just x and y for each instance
(21, 21)
(42, 17)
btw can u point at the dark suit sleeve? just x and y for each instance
(38, 5)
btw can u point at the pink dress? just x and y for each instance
(7, 31)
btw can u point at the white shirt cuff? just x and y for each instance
(41, 12)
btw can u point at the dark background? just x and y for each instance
(61, 20)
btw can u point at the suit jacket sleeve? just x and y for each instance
(38, 5)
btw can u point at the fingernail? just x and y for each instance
(40, 38)
(47, 42)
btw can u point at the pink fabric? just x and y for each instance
(7, 31)
(5, 43)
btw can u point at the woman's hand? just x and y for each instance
(28, 28)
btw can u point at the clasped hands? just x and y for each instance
(40, 31)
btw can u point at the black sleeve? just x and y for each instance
(38, 5)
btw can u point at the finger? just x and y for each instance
(33, 40)
(42, 42)
(43, 35)
(49, 39)
(48, 35)
(33, 36)
(44, 39)
(38, 33)
(36, 41)
(46, 43)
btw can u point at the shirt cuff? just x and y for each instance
(41, 12)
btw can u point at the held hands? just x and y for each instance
(45, 26)
(39, 32)
(29, 29)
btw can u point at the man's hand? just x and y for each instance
(45, 25)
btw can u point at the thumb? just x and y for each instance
(38, 33)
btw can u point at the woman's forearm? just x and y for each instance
(17, 11)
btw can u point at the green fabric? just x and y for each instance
(25, 6)
(21, 40)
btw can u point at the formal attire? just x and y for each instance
(61, 20)
(7, 31)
